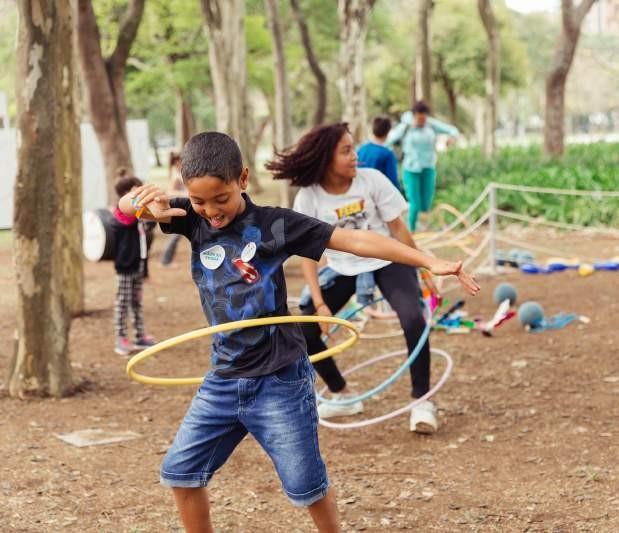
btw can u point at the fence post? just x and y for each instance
(493, 227)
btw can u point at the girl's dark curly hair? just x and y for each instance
(306, 163)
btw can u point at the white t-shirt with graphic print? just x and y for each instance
(369, 203)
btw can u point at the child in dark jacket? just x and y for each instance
(130, 253)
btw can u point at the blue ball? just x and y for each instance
(531, 314)
(505, 291)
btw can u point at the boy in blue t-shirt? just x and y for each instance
(261, 381)
(374, 154)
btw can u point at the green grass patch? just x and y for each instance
(463, 174)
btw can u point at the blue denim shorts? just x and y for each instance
(278, 409)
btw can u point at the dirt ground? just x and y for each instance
(529, 436)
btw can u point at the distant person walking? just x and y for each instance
(417, 133)
(374, 153)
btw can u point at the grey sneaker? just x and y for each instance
(423, 418)
(123, 346)
(326, 410)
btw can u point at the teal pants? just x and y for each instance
(419, 188)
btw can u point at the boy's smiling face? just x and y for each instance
(217, 201)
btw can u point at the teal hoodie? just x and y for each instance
(418, 144)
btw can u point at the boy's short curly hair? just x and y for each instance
(211, 153)
(125, 182)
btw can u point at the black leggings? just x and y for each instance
(399, 286)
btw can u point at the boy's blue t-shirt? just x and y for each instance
(381, 158)
(239, 274)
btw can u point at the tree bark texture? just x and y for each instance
(353, 17)
(492, 76)
(283, 120)
(556, 78)
(423, 70)
(73, 230)
(321, 79)
(225, 24)
(48, 155)
(103, 79)
(452, 97)
(185, 124)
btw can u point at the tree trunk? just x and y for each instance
(353, 17)
(225, 24)
(73, 230)
(185, 123)
(282, 125)
(321, 79)
(47, 154)
(556, 78)
(452, 97)
(422, 85)
(103, 79)
(492, 76)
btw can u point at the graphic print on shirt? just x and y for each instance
(352, 215)
(237, 289)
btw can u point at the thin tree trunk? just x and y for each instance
(225, 24)
(556, 78)
(74, 231)
(452, 97)
(185, 123)
(321, 79)
(283, 121)
(423, 71)
(353, 17)
(103, 79)
(46, 157)
(492, 75)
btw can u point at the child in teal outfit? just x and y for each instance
(417, 133)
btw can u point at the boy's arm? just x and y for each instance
(399, 231)
(153, 202)
(370, 244)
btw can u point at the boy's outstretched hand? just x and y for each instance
(156, 201)
(440, 267)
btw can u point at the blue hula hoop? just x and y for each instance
(389, 381)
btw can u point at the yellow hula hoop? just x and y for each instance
(239, 324)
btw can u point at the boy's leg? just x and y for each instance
(123, 297)
(412, 189)
(335, 297)
(207, 436)
(427, 180)
(283, 418)
(137, 284)
(324, 513)
(194, 507)
(398, 283)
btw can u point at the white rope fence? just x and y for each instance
(491, 216)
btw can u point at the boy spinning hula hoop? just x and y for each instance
(261, 381)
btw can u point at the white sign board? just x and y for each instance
(93, 173)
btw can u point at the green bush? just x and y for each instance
(463, 174)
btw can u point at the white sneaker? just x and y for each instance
(326, 410)
(423, 418)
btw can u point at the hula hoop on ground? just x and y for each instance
(391, 379)
(401, 410)
(239, 324)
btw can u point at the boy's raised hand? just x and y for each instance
(440, 267)
(156, 201)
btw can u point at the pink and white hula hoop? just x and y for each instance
(401, 410)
